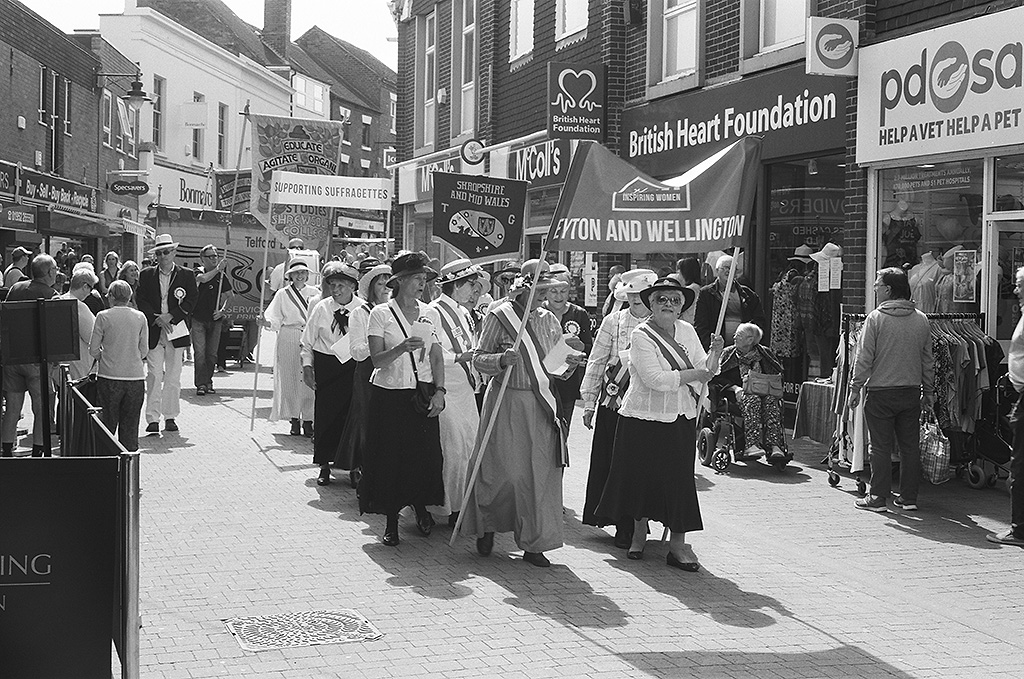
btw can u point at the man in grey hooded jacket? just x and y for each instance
(894, 361)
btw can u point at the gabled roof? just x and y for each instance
(354, 69)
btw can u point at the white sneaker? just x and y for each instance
(753, 452)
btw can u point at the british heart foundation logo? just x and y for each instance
(575, 88)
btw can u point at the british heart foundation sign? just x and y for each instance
(576, 101)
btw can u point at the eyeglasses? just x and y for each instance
(665, 299)
(166, 253)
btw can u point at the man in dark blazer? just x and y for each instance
(166, 294)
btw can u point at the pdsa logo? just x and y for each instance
(946, 77)
(834, 46)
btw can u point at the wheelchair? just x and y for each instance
(721, 440)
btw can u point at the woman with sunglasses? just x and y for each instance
(651, 474)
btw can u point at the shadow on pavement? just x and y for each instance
(759, 471)
(703, 592)
(749, 664)
(943, 525)
(556, 593)
(231, 393)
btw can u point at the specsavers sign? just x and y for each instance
(956, 88)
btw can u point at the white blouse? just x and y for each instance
(399, 374)
(319, 334)
(283, 311)
(358, 324)
(656, 390)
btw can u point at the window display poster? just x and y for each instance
(964, 267)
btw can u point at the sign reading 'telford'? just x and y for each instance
(576, 101)
(955, 88)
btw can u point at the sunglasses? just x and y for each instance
(666, 299)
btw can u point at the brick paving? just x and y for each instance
(794, 581)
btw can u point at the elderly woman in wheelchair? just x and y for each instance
(745, 422)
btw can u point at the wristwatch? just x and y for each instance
(441, 389)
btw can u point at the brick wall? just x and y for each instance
(895, 18)
(444, 71)
(722, 38)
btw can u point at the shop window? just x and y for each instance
(930, 223)
(222, 134)
(367, 127)
(159, 87)
(1009, 184)
(426, 83)
(464, 72)
(346, 122)
(107, 111)
(772, 32)
(570, 17)
(674, 45)
(520, 30)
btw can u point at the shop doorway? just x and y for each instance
(1009, 253)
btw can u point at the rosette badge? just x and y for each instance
(179, 294)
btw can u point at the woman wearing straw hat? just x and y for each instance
(327, 365)
(405, 467)
(287, 315)
(355, 438)
(651, 475)
(460, 419)
(603, 387)
(519, 486)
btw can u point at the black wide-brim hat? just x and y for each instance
(410, 264)
(341, 271)
(669, 284)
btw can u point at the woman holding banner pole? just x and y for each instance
(519, 484)
(651, 474)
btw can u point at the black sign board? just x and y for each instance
(18, 217)
(42, 189)
(19, 324)
(134, 188)
(576, 101)
(480, 216)
(58, 556)
(8, 180)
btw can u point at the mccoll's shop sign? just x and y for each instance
(956, 88)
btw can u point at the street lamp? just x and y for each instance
(136, 96)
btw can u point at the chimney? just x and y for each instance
(277, 25)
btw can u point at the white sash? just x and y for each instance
(450, 320)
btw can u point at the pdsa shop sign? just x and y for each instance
(955, 88)
(576, 101)
(832, 46)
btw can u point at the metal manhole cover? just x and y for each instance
(290, 630)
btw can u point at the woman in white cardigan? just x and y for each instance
(651, 474)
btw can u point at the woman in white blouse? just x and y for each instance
(651, 475)
(327, 365)
(405, 466)
(355, 439)
(287, 315)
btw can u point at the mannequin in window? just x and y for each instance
(923, 278)
(900, 236)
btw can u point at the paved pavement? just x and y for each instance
(794, 581)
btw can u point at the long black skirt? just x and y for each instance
(355, 436)
(330, 407)
(605, 420)
(406, 465)
(652, 474)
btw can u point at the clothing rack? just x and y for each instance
(848, 318)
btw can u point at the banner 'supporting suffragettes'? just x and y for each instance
(480, 216)
(296, 145)
(361, 193)
(607, 205)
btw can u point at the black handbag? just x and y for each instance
(425, 391)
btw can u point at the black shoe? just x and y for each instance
(296, 429)
(153, 429)
(170, 424)
(354, 477)
(325, 477)
(623, 537)
(7, 450)
(307, 429)
(200, 391)
(485, 544)
(635, 555)
(425, 523)
(537, 559)
(390, 537)
(688, 566)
